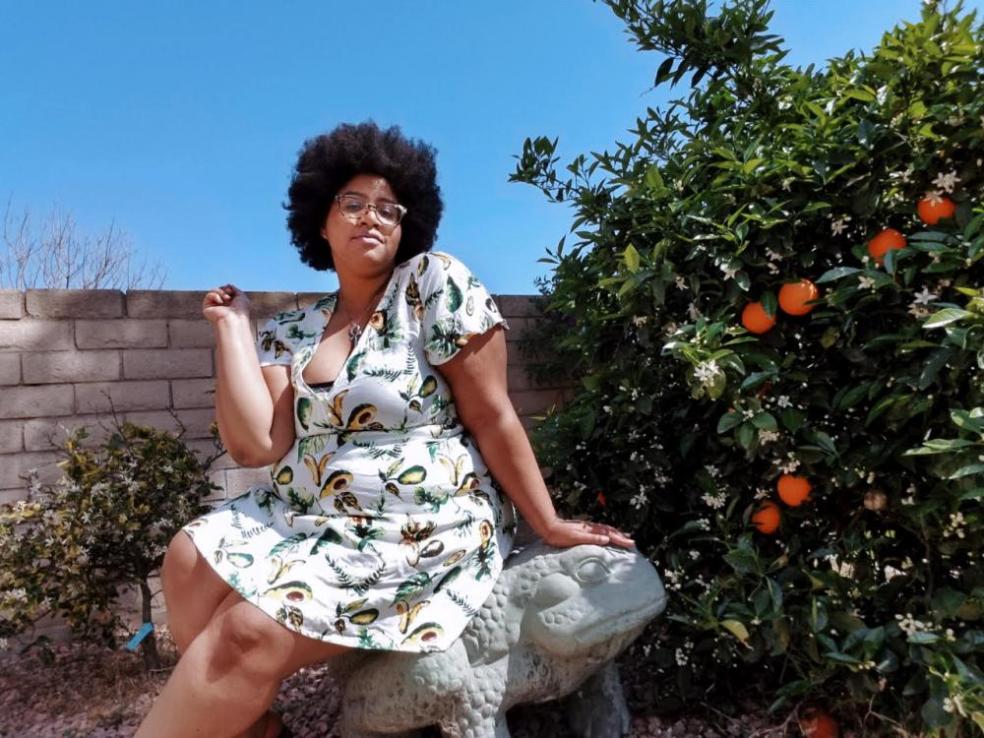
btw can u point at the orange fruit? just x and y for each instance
(794, 296)
(819, 724)
(755, 318)
(884, 242)
(766, 518)
(794, 490)
(601, 499)
(932, 209)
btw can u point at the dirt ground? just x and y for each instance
(95, 693)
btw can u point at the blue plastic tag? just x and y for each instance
(145, 630)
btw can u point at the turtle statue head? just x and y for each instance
(595, 602)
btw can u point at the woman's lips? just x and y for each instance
(366, 238)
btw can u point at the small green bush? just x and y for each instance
(106, 524)
(871, 594)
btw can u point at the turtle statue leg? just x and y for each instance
(597, 709)
(476, 726)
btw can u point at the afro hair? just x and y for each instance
(328, 161)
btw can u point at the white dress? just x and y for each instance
(381, 527)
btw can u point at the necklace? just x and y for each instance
(355, 327)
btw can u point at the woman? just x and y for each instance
(382, 408)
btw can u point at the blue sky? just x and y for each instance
(180, 121)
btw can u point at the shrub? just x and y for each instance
(870, 591)
(106, 524)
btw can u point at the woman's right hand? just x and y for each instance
(223, 302)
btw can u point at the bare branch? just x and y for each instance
(54, 254)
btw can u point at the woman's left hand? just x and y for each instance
(563, 533)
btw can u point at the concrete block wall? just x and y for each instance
(70, 358)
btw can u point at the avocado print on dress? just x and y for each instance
(381, 527)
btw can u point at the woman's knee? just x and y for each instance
(180, 558)
(245, 634)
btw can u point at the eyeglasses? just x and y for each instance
(352, 206)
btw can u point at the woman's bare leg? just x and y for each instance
(193, 592)
(230, 674)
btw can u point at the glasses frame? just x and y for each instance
(371, 206)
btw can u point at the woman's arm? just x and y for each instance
(477, 375)
(254, 406)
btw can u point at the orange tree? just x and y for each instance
(859, 385)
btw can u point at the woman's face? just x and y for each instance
(361, 243)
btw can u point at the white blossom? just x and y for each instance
(715, 501)
(947, 182)
(866, 283)
(707, 371)
(784, 401)
(924, 297)
(639, 500)
(838, 226)
(767, 436)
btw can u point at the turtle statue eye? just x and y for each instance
(591, 570)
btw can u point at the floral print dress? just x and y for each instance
(381, 527)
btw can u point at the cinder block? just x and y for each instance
(530, 402)
(10, 371)
(42, 434)
(190, 333)
(264, 305)
(11, 304)
(239, 480)
(121, 333)
(98, 397)
(37, 402)
(305, 299)
(196, 422)
(29, 334)
(217, 477)
(166, 363)
(204, 449)
(164, 303)
(74, 303)
(11, 436)
(13, 466)
(193, 392)
(516, 378)
(50, 367)
(516, 306)
(16, 494)
(519, 328)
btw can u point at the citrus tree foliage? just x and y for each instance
(862, 584)
(70, 547)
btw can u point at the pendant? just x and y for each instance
(354, 332)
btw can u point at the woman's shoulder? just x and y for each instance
(293, 326)
(435, 265)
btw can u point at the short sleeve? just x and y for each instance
(457, 306)
(271, 348)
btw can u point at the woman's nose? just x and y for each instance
(366, 217)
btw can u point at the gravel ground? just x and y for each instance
(92, 693)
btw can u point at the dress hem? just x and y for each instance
(307, 632)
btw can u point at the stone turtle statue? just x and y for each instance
(553, 625)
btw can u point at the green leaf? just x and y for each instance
(631, 257)
(945, 317)
(831, 275)
(728, 421)
(737, 629)
(966, 471)
(765, 421)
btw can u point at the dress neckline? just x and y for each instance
(331, 300)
